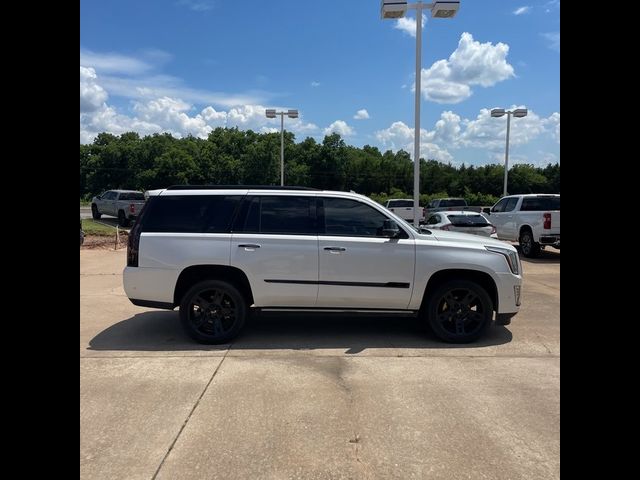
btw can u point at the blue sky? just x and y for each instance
(188, 66)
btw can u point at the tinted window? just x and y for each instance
(511, 204)
(285, 214)
(132, 196)
(499, 207)
(351, 218)
(109, 196)
(468, 220)
(433, 219)
(400, 203)
(540, 203)
(455, 202)
(191, 213)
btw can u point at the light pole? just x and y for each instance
(395, 9)
(272, 114)
(518, 113)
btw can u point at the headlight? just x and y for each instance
(509, 255)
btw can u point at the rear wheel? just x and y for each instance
(123, 221)
(95, 213)
(530, 249)
(213, 312)
(459, 311)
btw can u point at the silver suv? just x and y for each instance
(219, 252)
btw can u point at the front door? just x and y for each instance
(359, 268)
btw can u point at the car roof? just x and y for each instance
(460, 212)
(243, 190)
(533, 195)
(125, 191)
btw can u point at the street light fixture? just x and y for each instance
(518, 113)
(271, 113)
(396, 9)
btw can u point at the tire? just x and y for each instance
(213, 312)
(123, 221)
(95, 213)
(459, 311)
(530, 249)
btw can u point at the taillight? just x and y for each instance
(132, 208)
(133, 245)
(547, 221)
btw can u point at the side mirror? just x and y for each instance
(390, 229)
(487, 210)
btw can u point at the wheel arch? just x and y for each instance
(483, 279)
(196, 273)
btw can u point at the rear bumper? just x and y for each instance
(553, 240)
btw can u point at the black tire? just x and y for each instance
(459, 311)
(123, 221)
(213, 311)
(95, 213)
(530, 249)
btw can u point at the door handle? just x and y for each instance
(249, 245)
(335, 249)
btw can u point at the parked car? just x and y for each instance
(533, 220)
(462, 221)
(124, 204)
(403, 207)
(452, 204)
(219, 252)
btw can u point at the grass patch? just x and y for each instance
(92, 227)
(85, 203)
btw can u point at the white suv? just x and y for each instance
(218, 252)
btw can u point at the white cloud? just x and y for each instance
(315, 84)
(483, 132)
(138, 78)
(115, 62)
(408, 24)
(472, 63)
(553, 40)
(522, 10)
(168, 114)
(551, 5)
(92, 95)
(197, 5)
(361, 114)
(341, 127)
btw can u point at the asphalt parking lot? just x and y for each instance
(316, 398)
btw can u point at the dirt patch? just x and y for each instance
(105, 242)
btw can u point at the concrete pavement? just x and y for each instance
(313, 397)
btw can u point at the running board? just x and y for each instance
(343, 311)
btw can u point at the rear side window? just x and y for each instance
(400, 203)
(132, 196)
(455, 202)
(278, 214)
(532, 204)
(191, 214)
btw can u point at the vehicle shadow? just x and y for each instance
(161, 331)
(548, 255)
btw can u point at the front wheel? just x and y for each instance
(95, 213)
(459, 311)
(530, 249)
(213, 312)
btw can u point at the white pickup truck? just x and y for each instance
(444, 204)
(124, 204)
(533, 220)
(403, 207)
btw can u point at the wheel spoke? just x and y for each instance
(450, 299)
(475, 317)
(201, 303)
(468, 299)
(217, 297)
(218, 329)
(460, 327)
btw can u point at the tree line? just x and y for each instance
(230, 156)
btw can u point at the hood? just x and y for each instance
(462, 238)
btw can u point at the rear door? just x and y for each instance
(275, 243)
(359, 268)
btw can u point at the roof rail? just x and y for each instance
(236, 187)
